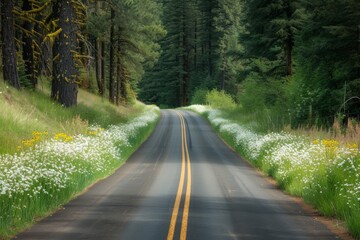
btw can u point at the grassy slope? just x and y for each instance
(23, 112)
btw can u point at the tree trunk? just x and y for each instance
(123, 89)
(112, 69)
(98, 67)
(98, 57)
(185, 64)
(10, 72)
(289, 41)
(98, 62)
(103, 67)
(124, 76)
(210, 29)
(223, 74)
(118, 79)
(288, 55)
(28, 50)
(64, 87)
(195, 43)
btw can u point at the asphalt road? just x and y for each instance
(183, 183)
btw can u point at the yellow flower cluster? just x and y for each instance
(63, 137)
(36, 137)
(333, 145)
(352, 146)
(95, 132)
(330, 143)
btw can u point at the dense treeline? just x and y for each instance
(69, 41)
(197, 52)
(298, 59)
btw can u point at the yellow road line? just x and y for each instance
(185, 219)
(178, 196)
(185, 162)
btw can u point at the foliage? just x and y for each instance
(220, 100)
(319, 48)
(199, 97)
(328, 60)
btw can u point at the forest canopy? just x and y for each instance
(297, 59)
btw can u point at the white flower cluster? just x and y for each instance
(49, 165)
(294, 158)
(199, 108)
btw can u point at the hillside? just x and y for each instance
(24, 112)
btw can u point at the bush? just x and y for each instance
(199, 97)
(220, 100)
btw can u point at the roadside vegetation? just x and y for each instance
(50, 153)
(321, 166)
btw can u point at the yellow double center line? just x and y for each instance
(185, 164)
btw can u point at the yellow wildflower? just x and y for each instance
(316, 142)
(330, 143)
(352, 146)
(63, 137)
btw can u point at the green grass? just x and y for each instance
(26, 111)
(41, 178)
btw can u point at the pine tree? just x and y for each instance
(269, 35)
(169, 78)
(328, 60)
(228, 28)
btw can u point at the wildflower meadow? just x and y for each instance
(325, 172)
(47, 171)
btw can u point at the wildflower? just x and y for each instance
(63, 137)
(352, 145)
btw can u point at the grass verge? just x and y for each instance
(325, 172)
(55, 153)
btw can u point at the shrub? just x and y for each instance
(220, 100)
(199, 97)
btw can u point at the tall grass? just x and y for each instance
(324, 171)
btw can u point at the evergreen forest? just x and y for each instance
(298, 60)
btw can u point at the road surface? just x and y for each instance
(183, 183)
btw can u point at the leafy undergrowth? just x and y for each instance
(61, 157)
(325, 172)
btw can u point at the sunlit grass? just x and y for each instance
(324, 171)
(23, 112)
